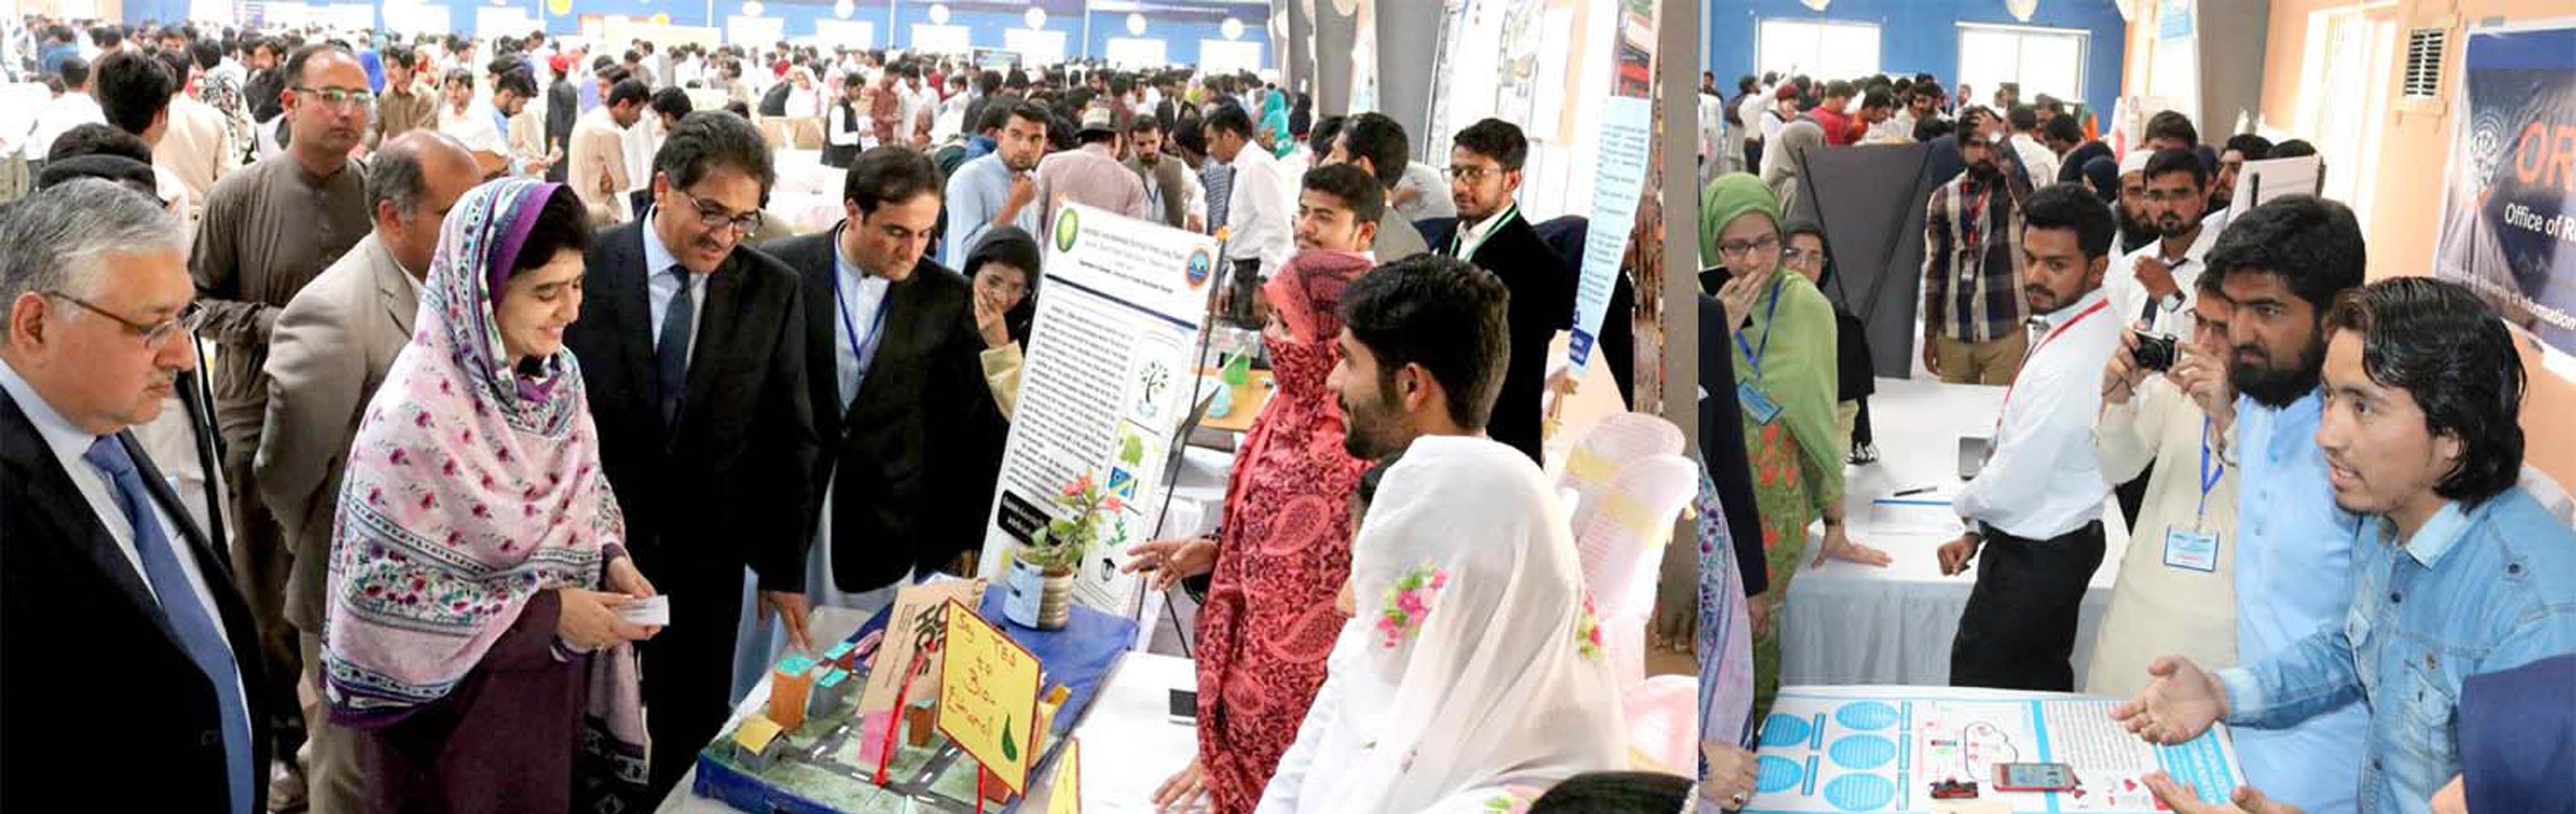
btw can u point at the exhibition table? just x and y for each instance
(1883, 748)
(1852, 623)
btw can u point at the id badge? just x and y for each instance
(1757, 405)
(2191, 550)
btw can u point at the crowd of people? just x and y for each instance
(372, 556)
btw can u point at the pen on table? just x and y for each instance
(1914, 491)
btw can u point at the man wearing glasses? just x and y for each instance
(692, 348)
(267, 231)
(1484, 173)
(99, 309)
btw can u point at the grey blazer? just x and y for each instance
(331, 348)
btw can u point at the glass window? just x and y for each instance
(2040, 60)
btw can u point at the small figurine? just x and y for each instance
(1954, 790)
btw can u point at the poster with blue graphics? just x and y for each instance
(1621, 157)
(2509, 197)
(1880, 749)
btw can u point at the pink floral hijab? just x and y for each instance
(472, 486)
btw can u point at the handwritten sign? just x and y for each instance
(988, 696)
(1064, 796)
(913, 626)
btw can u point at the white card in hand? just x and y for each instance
(651, 610)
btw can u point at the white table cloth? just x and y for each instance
(1848, 623)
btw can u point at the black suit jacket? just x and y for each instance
(1542, 304)
(92, 681)
(727, 488)
(1721, 443)
(563, 108)
(898, 506)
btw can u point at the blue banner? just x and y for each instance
(2509, 207)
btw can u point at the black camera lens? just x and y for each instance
(2155, 352)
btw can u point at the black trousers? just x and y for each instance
(2133, 495)
(2019, 629)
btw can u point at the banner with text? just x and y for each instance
(2509, 204)
(1106, 383)
(1619, 173)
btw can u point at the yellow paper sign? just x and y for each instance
(1064, 796)
(988, 696)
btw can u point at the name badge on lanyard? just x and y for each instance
(1757, 403)
(2193, 549)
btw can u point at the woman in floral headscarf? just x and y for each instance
(1283, 553)
(477, 560)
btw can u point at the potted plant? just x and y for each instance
(1040, 582)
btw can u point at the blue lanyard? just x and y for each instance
(2208, 476)
(1751, 354)
(860, 346)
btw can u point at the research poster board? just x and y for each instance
(1620, 158)
(1105, 384)
(1882, 748)
(2509, 200)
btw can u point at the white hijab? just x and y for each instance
(1494, 680)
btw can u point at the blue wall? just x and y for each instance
(1922, 36)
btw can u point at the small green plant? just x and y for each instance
(1061, 544)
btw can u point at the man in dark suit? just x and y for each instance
(1484, 171)
(123, 642)
(563, 107)
(892, 371)
(692, 348)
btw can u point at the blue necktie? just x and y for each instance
(198, 633)
(671, 351)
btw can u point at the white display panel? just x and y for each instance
(1036, 46)
(1229, 56)
(418, 18)
(941, 39)
(2041, 60)
(854, 34)
(742, 30)
(493, 22)
(1137, 52)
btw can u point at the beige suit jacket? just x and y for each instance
(194, 148)
(332, 347)
(598, 172)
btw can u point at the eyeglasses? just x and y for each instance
(1796, 256)
(155, 334)
(714, 217)
(1472, 173)
(1740, 248)
(339, 98)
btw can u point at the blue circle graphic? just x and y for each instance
(1774, 774)
(1784, 730)
(1860, 792)
(1866, 715)
(1862, 751)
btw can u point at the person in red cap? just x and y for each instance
(563, 108)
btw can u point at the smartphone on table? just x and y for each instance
(2034, 777)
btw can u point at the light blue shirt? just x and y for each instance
(2473, 591)
(975, 194)
(858, 317)
(660, 287)
(2293, 577)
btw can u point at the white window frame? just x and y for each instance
(1762, 63)
(1986, 87)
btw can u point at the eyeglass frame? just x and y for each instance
(1735, 249)
(745, 224)
(1476, 173)
(155, 335)
(350, 99)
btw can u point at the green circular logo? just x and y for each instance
(1067, 225)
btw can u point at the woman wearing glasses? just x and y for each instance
(478, 561)
(1785, 383)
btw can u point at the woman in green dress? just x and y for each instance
(1784, 347)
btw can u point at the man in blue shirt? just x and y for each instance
(998, 189)
(2459, 571)
(2283, 264)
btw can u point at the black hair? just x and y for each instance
(562, 225)
(2051, 104)
(629, 90)
(1187, 135)
(889, 175)
(2072, 206)
(1615, 793)
(988, 82)
(75, 71)
(302, 57)
(1321, 133)
(1358, 191)
(2292, 148)
(97, 139)
(1381, 140)
(1144, 123)
(1495, 139)
(1746, 84)
(1440, 313)
(739, 108)
(2022, 118)
(705, 140)
(107, 36)
(206, 54)
(2169, 124)
(2251, 146)
(2063, 128)
(1230, 118)
(1808, 227)
(671, 102)
(457, 76)
(2314, 245)
(1932, 127)
(516, 80)
(133, 89)
(1838, 88)
(2442, 344)
(1878, 97)
(2172, 161)
(1010, 246)
(1029, 112)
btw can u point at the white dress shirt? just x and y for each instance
(57, 116)
(1471, 236)
(2042, 480)
(858, 318)
(660, 286)
(1258, 210)
(69, 444)
(2036, 158)
(2171, 316)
